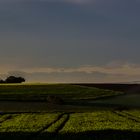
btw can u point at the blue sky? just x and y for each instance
(70, 40)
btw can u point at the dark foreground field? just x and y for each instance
(86, 113)
(87, 135)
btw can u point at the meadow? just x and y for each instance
(25, 114)
(39, 92)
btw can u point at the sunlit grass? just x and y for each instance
(27, 122)
(99, 120)
(65, 91)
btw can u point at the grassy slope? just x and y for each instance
(40, 91)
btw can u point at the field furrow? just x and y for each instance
(5, 118)
(56, 127)
(126, 115)
(49, 125)
(133, 113)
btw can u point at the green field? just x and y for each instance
(100, 125)
(39, 92)
(75, 119)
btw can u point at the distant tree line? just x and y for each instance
(13, 79)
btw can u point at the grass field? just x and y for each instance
(39, 92)
(69, 122)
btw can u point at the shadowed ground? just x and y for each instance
(88, 135)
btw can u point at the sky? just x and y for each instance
(70, 40)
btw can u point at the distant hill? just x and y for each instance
(124, 87)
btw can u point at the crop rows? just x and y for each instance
(134, 113)
(99, 120)
(127, 115)
(112, 125)
(26, 122)
(32, 126)
(101, 125)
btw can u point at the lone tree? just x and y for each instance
(13, 79)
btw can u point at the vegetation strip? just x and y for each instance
(5, 118)
(47, 126)
(63, 123)
(53, 129)
(119, 113)
(132, 116)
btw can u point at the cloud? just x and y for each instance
(111, 68)
(122, 69)
(113, 72)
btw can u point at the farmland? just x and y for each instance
(25, 114)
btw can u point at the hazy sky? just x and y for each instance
(70, 40)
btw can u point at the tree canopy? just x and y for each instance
(13, 79)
